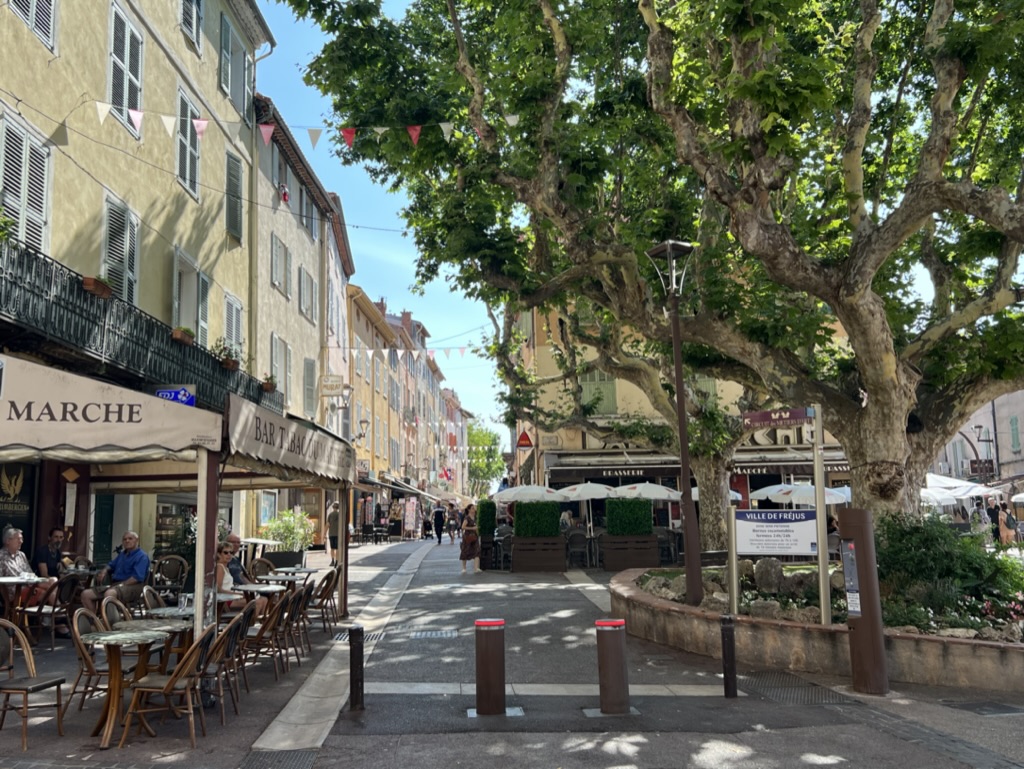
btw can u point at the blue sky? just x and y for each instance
(384, 258)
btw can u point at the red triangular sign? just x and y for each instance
(414, 133)
(524, 441)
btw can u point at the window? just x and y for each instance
(38, 14)
(376, 374)
(24, 183)
(1015, 435)
(359, 357)
(121, 252)
(191, 297)
(233, 199)
(307, 295)
(280, 266)
(309, 387)
(308, 212)
(192, 22)
(236, 70)
(188, 145)
(234, 331)
(596, 384)
(125, 69)
(281, 365)
(376, 436)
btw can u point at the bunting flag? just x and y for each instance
(447, 352)
(379, 130)
(200, 125)
(136, 118)
(349, 134)
(170, 123)
(430, 354)
(462, 352)
(266, 131)
(314, 136)
(446, 129)
(102, 110)
(512, 120)
(414, 133)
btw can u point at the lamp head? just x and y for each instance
(978, 430)
(346, 394)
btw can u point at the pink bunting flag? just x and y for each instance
(430, 354)
(200, 125)
(349, 135)
(414, 133)
(462, 352)
(136, 117)
(266, 131)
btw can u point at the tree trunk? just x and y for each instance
(879, 455)
(712, 474)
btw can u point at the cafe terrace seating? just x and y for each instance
(25, 684)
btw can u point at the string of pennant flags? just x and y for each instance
(401, 352)
(266, 130)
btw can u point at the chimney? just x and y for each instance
(407, 321)
(382, 305)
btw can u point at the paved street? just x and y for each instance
(418, 613)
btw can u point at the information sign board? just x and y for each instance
(776, 532)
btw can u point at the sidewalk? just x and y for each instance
(418, 611)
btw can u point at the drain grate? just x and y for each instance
(788, 689)
(987, 708)
(434, 634)
(279, 759)
(343, 636)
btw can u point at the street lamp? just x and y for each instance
(669, 250)
(986, 467)
(364, 424)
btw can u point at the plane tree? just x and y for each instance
(849, 172)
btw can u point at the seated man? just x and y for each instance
(48, 558)
(128, 573)
(13, 563)
(238, 575)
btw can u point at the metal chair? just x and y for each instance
(12, 639)
(260, 566)
(666, 545)
(503, 551)
(53, 609)
(151, 598)
(324, 603)
(576, 545)
(168, 577)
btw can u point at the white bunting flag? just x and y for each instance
(380, 132)
(447, 352)
(102, 110)
(314, 136)
(512, 120)
(446, 129)
(170, 122)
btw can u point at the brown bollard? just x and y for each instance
(611, 665)
(490, 667)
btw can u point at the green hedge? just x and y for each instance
(486, 517)
(629, 517)
(537, 519)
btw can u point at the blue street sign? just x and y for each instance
(181, 394)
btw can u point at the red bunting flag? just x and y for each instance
(350, 136)
(414, 133)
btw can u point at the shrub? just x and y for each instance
(629, 517)
(292, 528)
(486, 517)
(537, 519)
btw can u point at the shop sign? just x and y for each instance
(17, 487)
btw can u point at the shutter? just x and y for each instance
(236, 311)
(309, 381)
(275, 260)
(183, 132)
(131, 261)
(188, 8)
(247, 107)
(204, 310)
(117, 246)
(35, 195)
(118, 48)
(225, 54)
(133, 86)
(10, 177)
(234, 196)
(302, 291)
(24, 9)
(287, 271)
(230, 328)
(274, 160)
(193, 146)
(43, 22)
(287, 373)
(316, 300)
(275, 359)
(176, 289)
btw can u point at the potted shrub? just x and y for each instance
(269, 383)
(486, 520)
(229, 355)
(98, 286)
(537, 543)
(183, 335)
(294, 530)
(629, 542)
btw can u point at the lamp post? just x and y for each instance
(986, 467)
(669, 250)
(345, 519)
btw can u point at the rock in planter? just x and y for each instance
(765, 609)
(837, 581)
(768, 575)
(957, 632)
(716, 602)
(746, 569)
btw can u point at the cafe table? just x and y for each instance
(176, 628)
(14, 585)
(112, 713)
(277, 577)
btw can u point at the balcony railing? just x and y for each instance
(43, 296)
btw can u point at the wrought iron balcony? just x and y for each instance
(45, 310)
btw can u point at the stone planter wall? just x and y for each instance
(538, 554)
(810, 648)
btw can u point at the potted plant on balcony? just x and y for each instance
(537, 543)
(630, 542)
(183, 335)
(294, 530)
(229, 355)
(269, 383)
(98, 286)
(486, 515)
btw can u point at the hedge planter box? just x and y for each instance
(283, 558)
(629, 552)
(486, 552)
(538, 554)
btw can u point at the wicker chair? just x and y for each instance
(12, 639)
(260, 566)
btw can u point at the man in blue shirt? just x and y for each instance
(128, 573)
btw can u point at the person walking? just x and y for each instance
(453, 521)
(438, 521)
(470, 548)
(333, 515)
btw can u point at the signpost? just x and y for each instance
(184, 395)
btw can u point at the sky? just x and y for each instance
(384, 258)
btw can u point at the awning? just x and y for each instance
(412, 489)
(46, 413)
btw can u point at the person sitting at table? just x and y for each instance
(48, 559)
(14, 563)
(128, 572)
(238, 574)
(226, 583)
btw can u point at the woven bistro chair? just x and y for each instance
(26, 684)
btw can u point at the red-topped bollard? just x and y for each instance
(611, 665)
(490, 667)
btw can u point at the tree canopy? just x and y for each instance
(826, 158)
(485, 463)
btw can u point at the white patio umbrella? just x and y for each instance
(959, 487)
(803, 494)
(529, 493)
(1017, 499)
(938, 497)
(583, 493)
(647, 491)
(767, 491)
(734, 496)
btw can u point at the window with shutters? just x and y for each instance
(38, 15)
(596, 385)
(1015, 435)
(307, 296)
(281, 365)
(190, 300)
(188, 145)
(236, 70)
(308, 212)
(359, 357)
(233, 197)
(234, 331)
(24, 183)
(125, 69)
(192, 22)
(280, 266)
(309, 387)
(376, 436)
(121, 251)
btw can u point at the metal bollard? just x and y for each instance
(355, 665)
(490, 667)
(729, 655)
(611, 665)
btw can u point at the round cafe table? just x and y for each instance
(175, 627)
(113, 706)
(169, 611)
(14, 585)
(284, 579)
